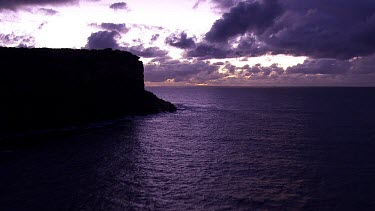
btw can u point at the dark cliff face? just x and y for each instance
(55, 87)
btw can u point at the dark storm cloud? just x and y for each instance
(245, 16)
(179, 71)
(249, 45)
(14, 4)
(103, 39)
(314, 28)
(180, 41)
(119, 6)
(322, 29)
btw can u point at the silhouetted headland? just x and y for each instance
(44, 88)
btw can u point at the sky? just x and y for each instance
(210, 42)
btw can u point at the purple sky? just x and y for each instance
(211, 42)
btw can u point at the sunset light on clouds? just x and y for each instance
(213, 42)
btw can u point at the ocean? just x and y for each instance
(224, 149)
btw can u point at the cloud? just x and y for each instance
(155, 37)
(42, 25)
(260, 71)
(314, 28)
(147, 27)
(180, 41)
(46, 11)
(209, 51)
(324, 71)
(17, 40)
(359, 71)
(113, 26)
(181, 71)
(119, 6)
(14, 4)
(103, 40)
(364, 65)
(160, 60)
(321, 29)
(220, 4)
(149, 52)
(229, 67)
(256, 16)
(196, 5)
(224, 4)
(110, 39)
(321, 66)
(119, 27)
(246, 46)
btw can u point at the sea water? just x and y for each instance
(224, 149)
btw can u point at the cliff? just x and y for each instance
(42, 88)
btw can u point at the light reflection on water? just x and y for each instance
(226, 148)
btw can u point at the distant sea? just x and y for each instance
(224, 149)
